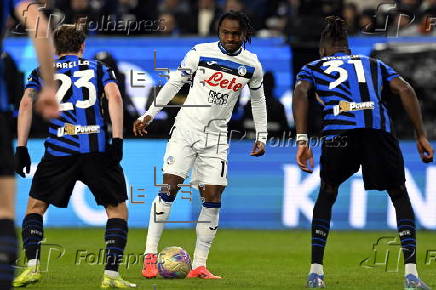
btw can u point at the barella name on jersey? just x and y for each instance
(70, 129)
(71, 64)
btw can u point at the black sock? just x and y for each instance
(32, 233)
(8, 252)
(116, 239)
(405, 223)
(322, 213)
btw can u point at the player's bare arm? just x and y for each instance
(300, 108)
(115, 105)
(411, 105)
(37, 24)
(22, 157)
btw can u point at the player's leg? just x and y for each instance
(52, 183)
(160, 210)
(8, 236)
(177, 162)
(322, 214)
(209, 174)
(33, 229)
(407, 232)
(338, 162)
(159, 213)
(32, 233)
(406, 225)
(105, 179)
(206, 229)
(383, 148)
(116, 240)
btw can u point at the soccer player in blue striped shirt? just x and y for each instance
(77, 148)
(357, 131)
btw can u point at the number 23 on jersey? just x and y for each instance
(83, 82)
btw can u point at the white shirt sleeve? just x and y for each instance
(177, 79)
(258, 104)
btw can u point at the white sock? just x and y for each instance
(155, 229)
(205, 235)
(317, 269)
(32, 262)
(410, 269)
(111, 273)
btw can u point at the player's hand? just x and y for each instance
(46, 103)
(116, 150)
(258, 149)
(425, 150)
(304, 154)
(139, 126)
(22, 160)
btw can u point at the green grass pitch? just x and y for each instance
(247, 259)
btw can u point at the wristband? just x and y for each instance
(302, 137)
(143, 117)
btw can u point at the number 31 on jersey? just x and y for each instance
(335, 66)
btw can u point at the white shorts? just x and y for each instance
(205, 154)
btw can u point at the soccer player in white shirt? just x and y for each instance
(199, 136)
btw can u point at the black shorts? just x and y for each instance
(55, 178)
(377, 151)
(6, 152)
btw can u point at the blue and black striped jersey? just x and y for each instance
(350, 88)
(80, 127)
(7, 8)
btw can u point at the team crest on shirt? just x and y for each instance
(170, 160)
(347, 107)
(242, 70)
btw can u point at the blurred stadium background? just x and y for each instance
(140, 36)
(264, 193)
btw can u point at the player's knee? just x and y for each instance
(36, 206)
(212, 193)
(172, 183)
(174, 188)
(170, 189)
(329, 188)
(398, 192)
(119, 211)
(327, 193)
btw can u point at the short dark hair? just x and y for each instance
(334, 33)
(244, 22)
(68, 38)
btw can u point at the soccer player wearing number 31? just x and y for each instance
(77, 149)
(357, 131)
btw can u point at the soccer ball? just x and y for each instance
(173, 262)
